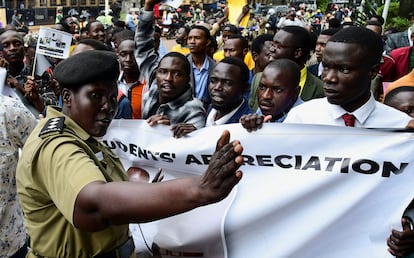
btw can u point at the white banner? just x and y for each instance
(307, 191)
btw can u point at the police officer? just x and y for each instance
(71, 187)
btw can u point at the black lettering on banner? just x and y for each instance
(331, 163)
(206, 159)
(278, 161)
(388, 167)
(248, 160)
(165, 156)
(133, 149)
(365, 166)
(284, 161)
(314, 163)
(345, 165)
(264, 160)
(298, 161)
(191, 159)
(142, 153)
(122, 146)
(153, 155)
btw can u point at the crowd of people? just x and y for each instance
(218, 73)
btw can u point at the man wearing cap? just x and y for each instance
(70, 185)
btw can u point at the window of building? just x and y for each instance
(73, 2)
(43, 2)
(92, 2)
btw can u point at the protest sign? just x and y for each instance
(53, 43)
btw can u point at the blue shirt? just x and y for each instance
(201, 81)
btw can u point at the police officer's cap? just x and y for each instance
(87, 67)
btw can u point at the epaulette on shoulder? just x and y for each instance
(53, 125)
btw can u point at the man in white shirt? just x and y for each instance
(290, 20)
(350, 60)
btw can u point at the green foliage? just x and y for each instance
(393, 19)
(359, 18)
(322, 4)
(399, 23)
(392, 10)
(369, 8)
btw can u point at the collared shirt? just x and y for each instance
(320, 70)
(303, 76)
(184, 109)
(201, 79)
(372, 114)
(124, 86)
(43, 193)
(223, 120)
(16, 123)
(180, 49)
(298, 102)
(130, 105)
(248, 58)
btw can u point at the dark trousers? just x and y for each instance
(21, 253)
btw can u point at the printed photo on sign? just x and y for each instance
(53, 43)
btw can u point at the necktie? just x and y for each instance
(349, 119)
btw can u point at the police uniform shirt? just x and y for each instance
(56, 163)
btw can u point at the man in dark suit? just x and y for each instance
(228, 83)
(323, 38)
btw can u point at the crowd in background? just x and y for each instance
(254, 70)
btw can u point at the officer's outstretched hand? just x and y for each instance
(222, 173)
